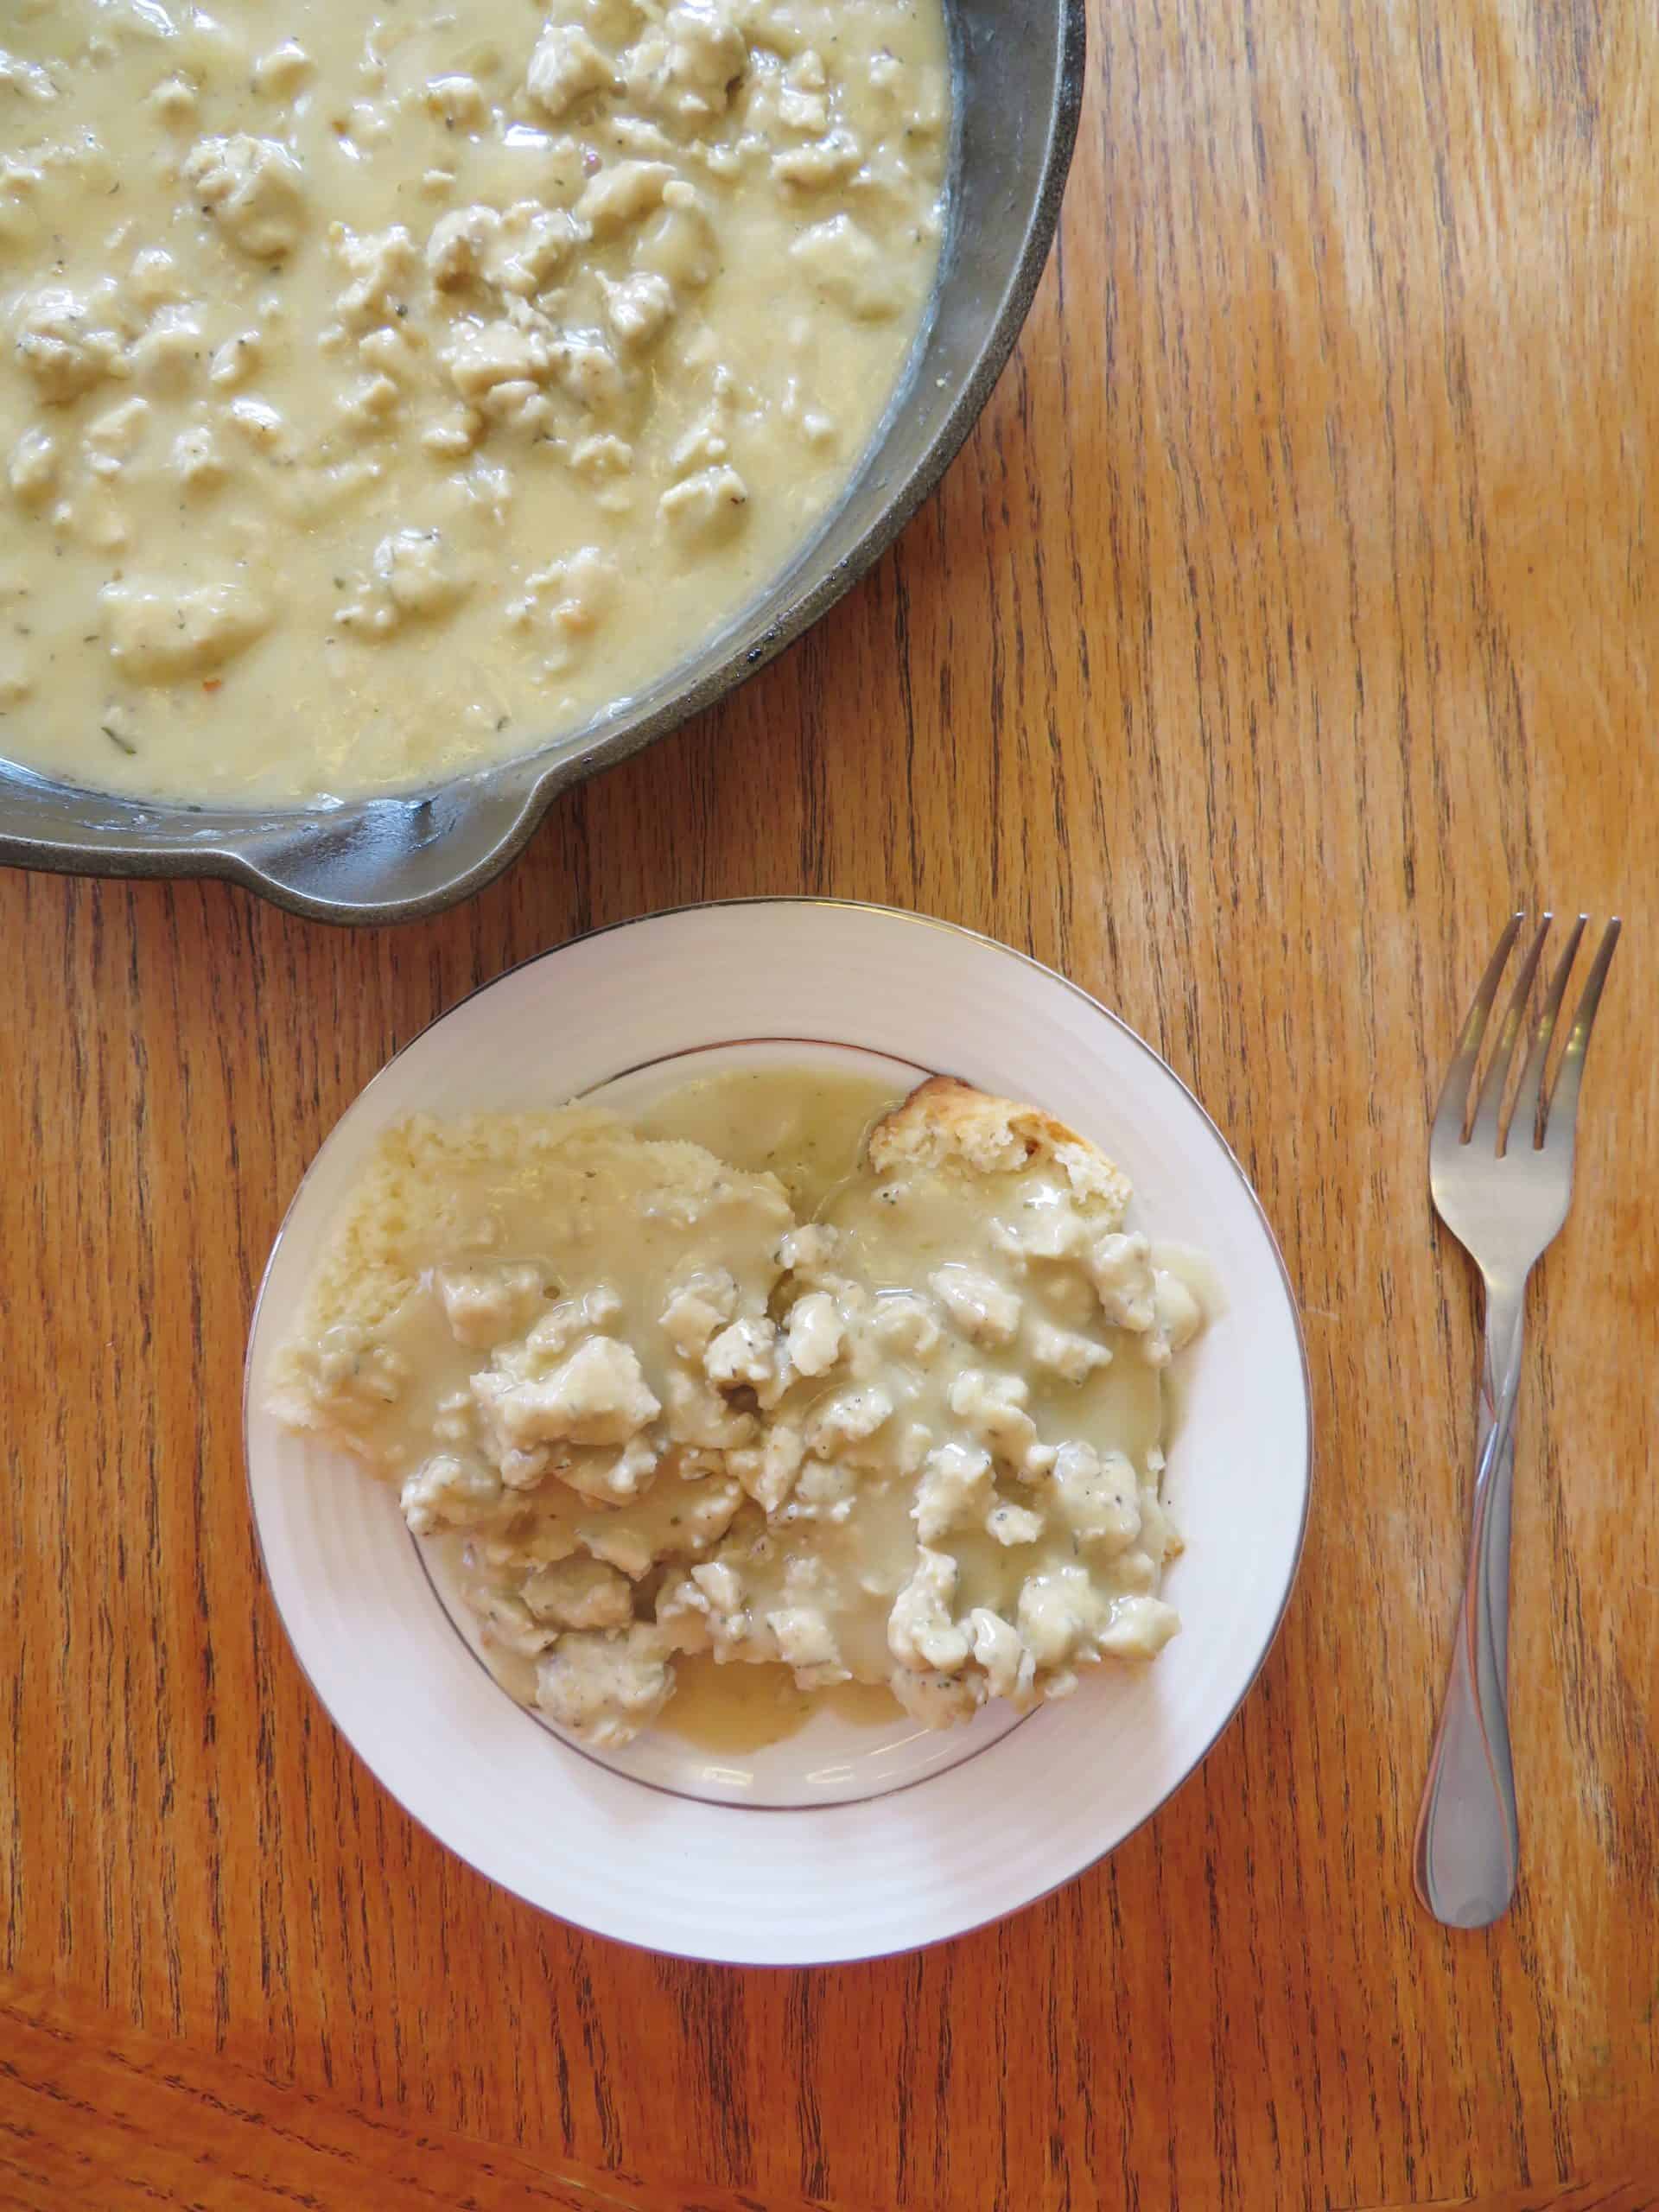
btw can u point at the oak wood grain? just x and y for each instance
(97, 2118)
(1289, 616)
(1637, 2196)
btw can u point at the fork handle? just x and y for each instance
(1467, 1851)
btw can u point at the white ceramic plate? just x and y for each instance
(828, 1846)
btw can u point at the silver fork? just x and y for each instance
(1504, 1203)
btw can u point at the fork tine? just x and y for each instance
(1528, 1112)
(1454, 1091)
(1490, 1108)
(1561, 1111)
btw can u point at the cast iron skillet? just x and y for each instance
(1018, 72)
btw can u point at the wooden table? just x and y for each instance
(1290, 615)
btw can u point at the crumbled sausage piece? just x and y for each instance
(686, 1514)
(705, 442)
(562, 1324)
(281, 72)
(905, 1322)
(597, 1475)
(453, 435)
(937, 1700)
(1066, 1352)
(827, 160)
(806, 1640)
(482, 1304)
(459, 242)
(801, 109)
(368, 407)
(33, 472)
(259, 421)
(531, 245)
(698, 1414)
(449, 1491)
(768, 1471)
(412, 580)
(1058, 1609)
(380, 267)
(523, 1470)
(568, 599)
(622, 195)
(1009, 1667)
(604, 1688)
(601, 456)
(255, 189)
(994, 1408)
(1054, 1233)
(920, 1631)
(808, 1249)
(1119, 1268)
(708, 506)
(684, 70)
(60, 346)
(582, 1594)
(502, 352)
(718, 1581)
(745, 1352)
(679, 243)
(598, 1395)
(156, 632)
(1139, 1628)
(234, 362)
(847, 1418)
(1097, 1496)
(639, 309)
(164, 357)
(824, 1491)
(588, 371)
(850, 268)
(509, 1626)
(954, 1491)
(565, 67)
(455, 99)
(175, 101)
(1012, 1524)
(1178, 1311)
(119, 430)
(982, 1309)
(815, 1333)
(27, 78)
(154, 279)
